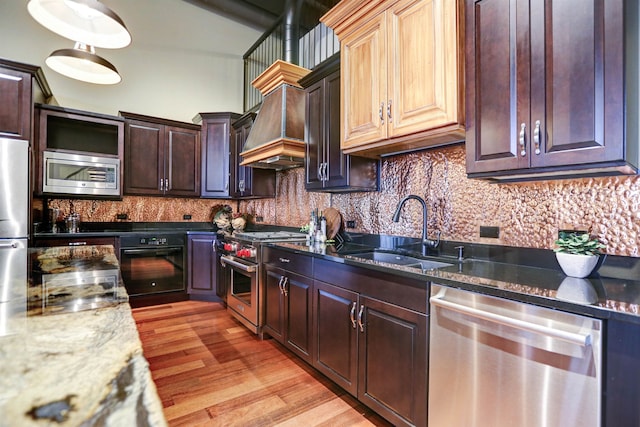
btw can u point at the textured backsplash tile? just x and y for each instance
(528, 214)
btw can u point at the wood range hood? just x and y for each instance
(276, 140)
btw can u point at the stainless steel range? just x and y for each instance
(242, 262)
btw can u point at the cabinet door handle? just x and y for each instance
(284, 286)
(360, 323)
(161, 184)
(523, 150)
(352, 315)
(280, 285)
(241, 185)
(389, 111)
(536, 137)
(381, 113)
(325, 175)
(320, 172)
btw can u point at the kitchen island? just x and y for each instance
(70, 353)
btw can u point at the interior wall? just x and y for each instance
(528, 214)
(182, 60)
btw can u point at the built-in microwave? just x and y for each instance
(80, 174)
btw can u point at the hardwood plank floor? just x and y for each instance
(210, 370)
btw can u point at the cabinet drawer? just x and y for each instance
(296, 263)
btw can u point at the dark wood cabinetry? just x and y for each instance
(546, 89)
(365, 330)
(288, 302)
(217, 141)
(72, 131)
(621, 374)
(370, 336)
(326, 167)
(335, 328)
(223, 136)
(248, 182)
(16, 105)
(202, 270)
(162, 157)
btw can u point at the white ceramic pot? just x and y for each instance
(577, 265)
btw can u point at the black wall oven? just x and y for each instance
(153, 263)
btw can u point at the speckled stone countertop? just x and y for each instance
(70, 353)
(596, 296)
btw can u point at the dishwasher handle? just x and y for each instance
(574, 338)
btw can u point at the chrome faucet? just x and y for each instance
(426, 243)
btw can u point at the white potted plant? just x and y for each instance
(577, 253)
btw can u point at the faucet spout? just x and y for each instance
(426, 243)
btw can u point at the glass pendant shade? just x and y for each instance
(87, 21)
(81, 63)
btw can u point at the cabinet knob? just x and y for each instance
(523, 149)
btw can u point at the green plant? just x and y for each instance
(578, 243)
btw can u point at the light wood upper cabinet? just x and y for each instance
(401, 65)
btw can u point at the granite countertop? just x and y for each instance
(69, 348)
(596, 296)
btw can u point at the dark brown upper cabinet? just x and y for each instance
(326, 167)
(546, 88)
(223, 136)
(16, 105)
(162, 157)
(217, 141)
(248, 182)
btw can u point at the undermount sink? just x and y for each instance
(397, 259)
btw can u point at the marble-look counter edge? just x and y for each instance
(84, 365)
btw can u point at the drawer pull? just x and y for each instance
(284, 260)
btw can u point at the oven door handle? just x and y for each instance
(240, 266)
(153, 251)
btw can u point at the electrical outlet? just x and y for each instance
(351, 224)
(186, 216)
(259, 218)
(122, 216)
(490, 232)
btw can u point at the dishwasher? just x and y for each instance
(494, 362)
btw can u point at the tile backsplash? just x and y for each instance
(527, 214)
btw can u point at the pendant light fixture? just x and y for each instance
(82, 63)
(87, 21)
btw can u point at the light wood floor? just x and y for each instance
(210, 370)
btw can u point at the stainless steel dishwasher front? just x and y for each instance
(500, 363)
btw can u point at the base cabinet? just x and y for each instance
(365, 330)
(373, 348)
(288, 309)
(202, 270)
(336, 354)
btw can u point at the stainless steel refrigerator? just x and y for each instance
(14, 228)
